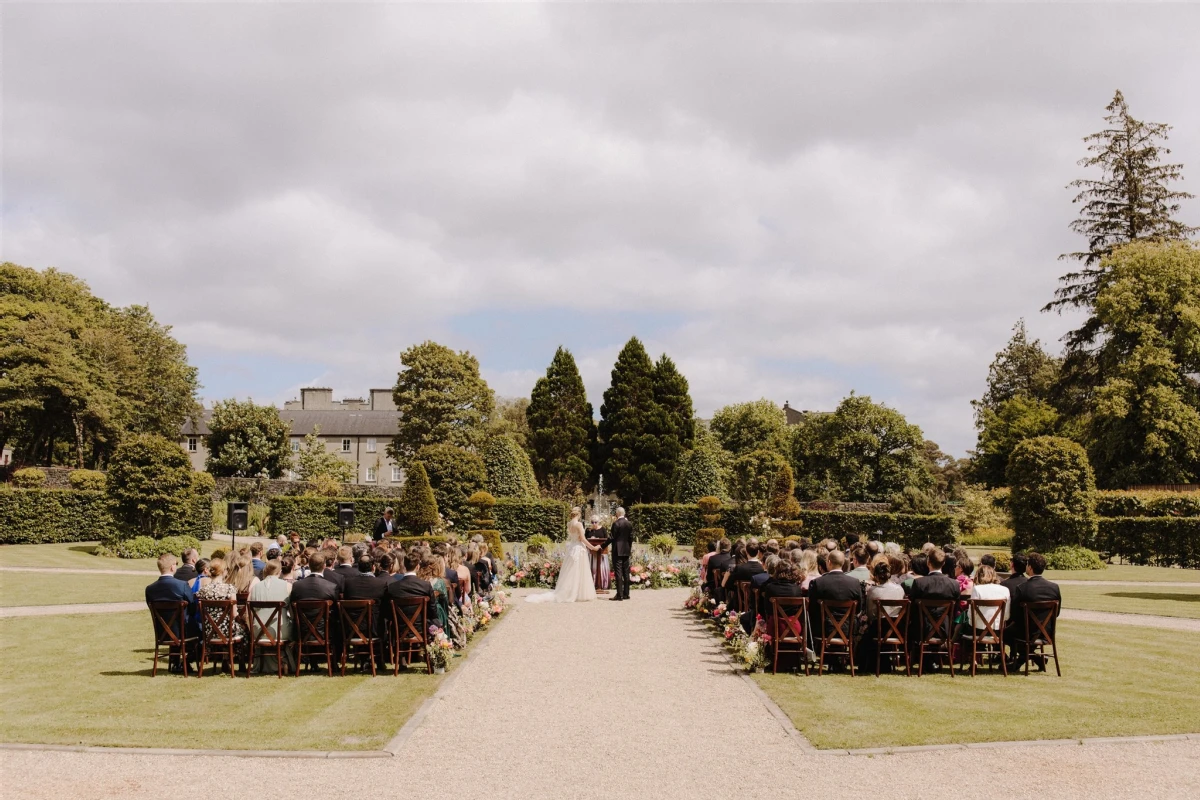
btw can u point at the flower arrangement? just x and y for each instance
(439, 647)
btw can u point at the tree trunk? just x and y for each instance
(78, 440)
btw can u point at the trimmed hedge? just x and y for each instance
(145, 547)
(1147, 504)
(1159, 541)
(517, 520)
(682, 521)
(317, 516)
(42, 516)
(492, 538)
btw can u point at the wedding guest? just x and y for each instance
(769, 568)
(881, 588)
(464, 575)
(721, 561)
(202, 577)
(987, 560)
(281, 543)
(784, 582)
(345, 565)
(1036, 589)
(987, 587)
(898, 567)
(295, 546)
(219, 588)
(1017, 576)
(271, 588)
(168, 587)
(860, 556)
(256, 560)
(187, 570)
(287, 569)
(744, 571)
(431, 571)
(241, 574)
(963, 569)
(835, 585)
(807, 568)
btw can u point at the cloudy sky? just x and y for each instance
(792, 201)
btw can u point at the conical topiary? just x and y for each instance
(418, 508)
(710, 512)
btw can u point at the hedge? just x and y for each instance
(317, 516)
(682, 521)
(517, 519)
(41, 516)
(1160, 541)
(1147, 504)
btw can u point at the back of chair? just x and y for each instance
(718, 576)
(743, 595)
(987, 619)
(409, 615)
(312, 618)
(934, 616)
(217, 619)
(838, 621)
(168, 618)
(357, 618)
(788, 618)
(893, 615)
(267, 618)
(1039, 621)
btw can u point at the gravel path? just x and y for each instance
(76, 608)
(602, 700)
(1140, 620)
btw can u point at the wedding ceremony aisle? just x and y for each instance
(604, 700)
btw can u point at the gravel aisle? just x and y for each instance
(610, 700)
(1139, 620)
(76, 608)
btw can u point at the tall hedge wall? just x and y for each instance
(1160, 541)
(908, 530)
(1148, 504)
(40, 516)
(317, 516)
(517, 519)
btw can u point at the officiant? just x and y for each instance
(601, 566)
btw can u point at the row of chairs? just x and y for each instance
(262, 621)
(837, 637)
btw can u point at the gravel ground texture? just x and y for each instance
(1139, 620)
(611, 700)
(74, 608)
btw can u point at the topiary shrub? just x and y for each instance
(1003, 560)
(146, 547)
(662, 544)
(29, 478)
(454, 473)
(1053, 495)
(152, 490)
(784, 505)
(517, 520)
(1072, 557)
(785, 528)
(88, 480)
(417, 509)
(482, 502)
(987, 537)
(538, 544)
(509, 473)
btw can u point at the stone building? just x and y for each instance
(357, 429)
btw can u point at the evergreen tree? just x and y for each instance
(675, 420)
(509, 473)
(314, 461)
(1000, 431)
(562, 433)
(699, 474)
(441, 399)
(628, 449)
(1131, 201)
(1023, 367)
(417, 507)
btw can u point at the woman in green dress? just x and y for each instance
(433, 569)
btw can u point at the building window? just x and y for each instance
(370, 445)
(193, 446)
(345, 445)
(371, 472)
(397, 475)
(295, 445)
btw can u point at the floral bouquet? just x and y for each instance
(718, 613)
(753, 654)
(439, 647)
(695, 600)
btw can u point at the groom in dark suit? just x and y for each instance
(620, 535)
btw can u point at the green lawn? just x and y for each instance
(1167, 601)
(48, 589)
(86, 680)
(1117, 681)
(78, 555)
(1127, 572)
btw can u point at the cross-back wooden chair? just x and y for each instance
(266, 632)
(837, 631)
(358, 629)
(742, 592)
(410, 630)
(1040, 632)
(988, 640)
(313, 635)
(934, 626)
(220, 634)
(789, 618)
(170, 631)
(718, 577)
(890, 630)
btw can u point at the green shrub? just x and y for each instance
(703, 537)
(980, 510)
(146, 547)
(1148, 504)
(518, 520)
(912, 500)
(492, 538)
(1159, 541)
(785, 528)
(661, 543)
(1073, 557)
(454, 475)
(987, 537)
(1003, 560)
(40, 516)
(87, 480)
(151, 488)
(1053, 494)
(29, 478)
(509, 473)
(317, 516)
(417, 507)
(538, 544)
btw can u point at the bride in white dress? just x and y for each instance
(575, 581)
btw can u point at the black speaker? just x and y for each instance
(345, 515)
(237, 516)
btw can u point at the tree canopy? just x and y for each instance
(509, 473)
(562, 434)
(745, 427)
(441, 399)
(247, 441)
(314, 460)
(151, 486)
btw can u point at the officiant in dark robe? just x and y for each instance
(599, 558)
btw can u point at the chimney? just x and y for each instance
(382, 400)
(314, 399)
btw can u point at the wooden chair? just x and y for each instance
(789, 616)
(464, 588)
(756, 600)
(890, 631)
(934, 620)
(219, 632)
(837, 631)
(410, 630)
(742, 588)
(988, 640)
(358, 629)
(170, 631)
(313, 635)
(1039, 632)
(718, 577)
(266, 633)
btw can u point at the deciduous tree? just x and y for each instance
(441, 399)
(247, 441)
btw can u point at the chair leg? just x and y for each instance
(907, 661)
(328, 659)
(974, 653)
(1054, 650)
(921, 660)
(232, 663)
(950, 657)
(250, 657)
(154, 670)
(203, 658)
(850, 652)
(371, 655)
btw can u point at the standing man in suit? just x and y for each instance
(621, 537)
(384, 526)
(1035, 589)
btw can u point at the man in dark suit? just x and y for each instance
(384, 526)
(834, 586)
(345, 567)
(1015, 579)
(317, 587)
(721, 560)
(1035, 589)
(621, 536)
(937, 585)
(187, 571)
(407, 586)
(364, 585)
(170, 588)
(1017, 576)
(742, 572)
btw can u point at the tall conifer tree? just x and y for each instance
(562, 432)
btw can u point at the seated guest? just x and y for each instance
(806, 568)
(383, 568)
(256, 559)
(987, 560)
(834, 586)
(271, 588)
(295, 546)
(170, 588)
(1017, 576)
(744, 571)
(281, 544)
(345, 568)
(934, 586)
(1035, 590)
(408, 584)
(987, 587)
(771, 548)
(963, 569)
(366, 585)
(881, 588)
(898, 566)
(315, 586)
(187, 570)
(918, 566)
(784, 582)
(861, 557)
(712, 549)
(287, 569)
(202, 577)
(464, 574)
(769, 567)
(722, 561)
(273, 554)
(432, 571)
(241, 574)
(219, 588)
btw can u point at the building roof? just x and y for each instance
(381, 424)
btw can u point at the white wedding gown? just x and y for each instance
(575, 581)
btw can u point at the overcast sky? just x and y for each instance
(791, 201)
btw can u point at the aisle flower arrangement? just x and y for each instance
(440, 648)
